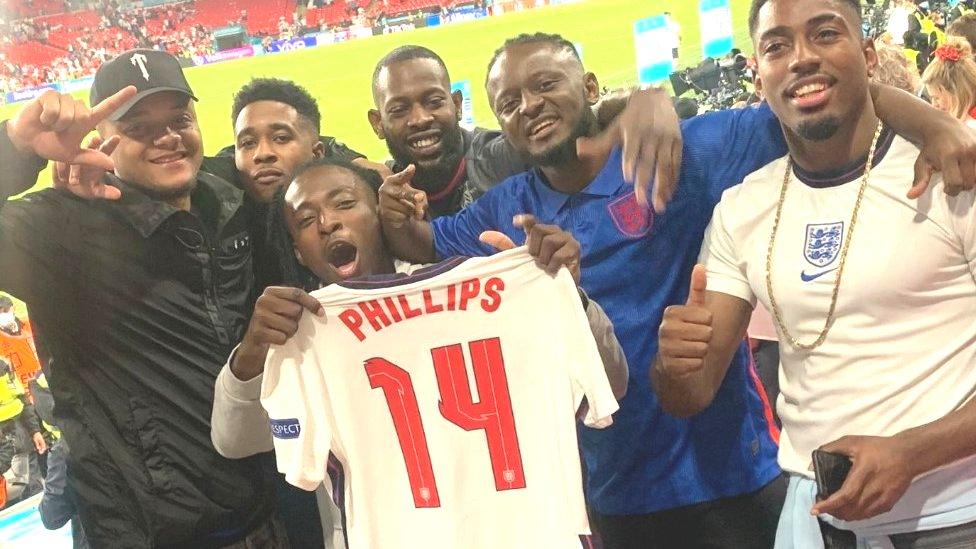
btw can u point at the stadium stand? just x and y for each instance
(332, 15)
(42, 41)
(33, 8)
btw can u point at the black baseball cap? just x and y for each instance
(150, 71)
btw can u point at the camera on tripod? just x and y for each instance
(716, 83)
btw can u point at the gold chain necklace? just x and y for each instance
(843, 255)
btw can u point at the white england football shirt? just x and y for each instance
(449, 396)
(902, 350)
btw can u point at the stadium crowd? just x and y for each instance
(168, 292)
(87, 34)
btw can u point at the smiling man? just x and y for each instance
(442, 167)
(141, 299)
(877, 352)
(419, 116)
(277, 125)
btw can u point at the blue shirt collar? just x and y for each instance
(606, 183)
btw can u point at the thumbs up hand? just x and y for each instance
(686, 331)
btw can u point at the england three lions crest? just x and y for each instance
(823, 243)
(631, 218)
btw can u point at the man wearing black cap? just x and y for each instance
(142, 299)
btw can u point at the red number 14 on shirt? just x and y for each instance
(492, 413)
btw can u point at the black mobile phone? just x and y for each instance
(830, 471)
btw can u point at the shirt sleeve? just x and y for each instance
(338, 149)
(585, 361)
(238, 422)
(33, 229)
(293, 393)
(492, 159)
(457, 235)
(611, 354)
(40, 237)
(962, 212)
(722, 258)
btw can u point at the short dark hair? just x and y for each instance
(406, 53)
(5, 302)
(292, 272)
(371, 178)
(282, 91)
(758, 4)
(554, 40)
(965, 27)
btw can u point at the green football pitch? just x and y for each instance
(339, 75)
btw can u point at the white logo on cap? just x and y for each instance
(139, 60)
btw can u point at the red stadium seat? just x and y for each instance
(34, 8)
(70, 29)
(31, 53)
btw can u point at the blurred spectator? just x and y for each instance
(965, 27)
(894, 69)
(119, 30)
(57, 505)
(19, 421)
(961, 9)
(17, 344)
(950, 80)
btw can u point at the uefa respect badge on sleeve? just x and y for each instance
(652, 42)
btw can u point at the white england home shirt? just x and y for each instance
(449, 397)
(902, 350)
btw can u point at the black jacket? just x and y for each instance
(266, 265)
(140, 304)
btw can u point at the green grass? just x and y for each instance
(339, 75)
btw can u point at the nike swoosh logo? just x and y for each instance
(807, 278)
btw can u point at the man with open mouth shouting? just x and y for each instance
(326, 229)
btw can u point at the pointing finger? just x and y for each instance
(525, 222)
(111, 104)
(402, 177)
